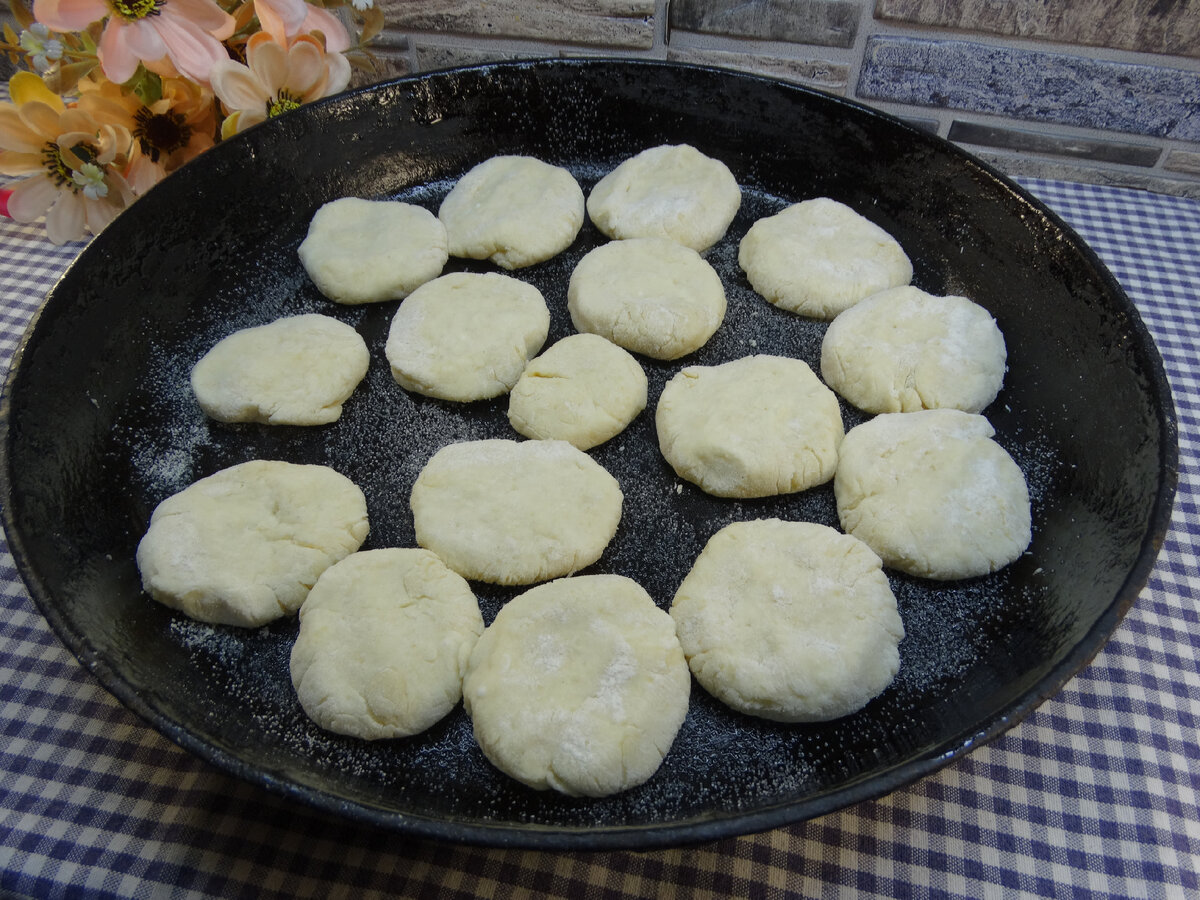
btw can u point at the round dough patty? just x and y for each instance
(466, 336)
(383, 643)
(790, 621)
(513, 210)
(578, 685)
(754, 427)
(649, 295)
(583, 390)
(671, 191)
(819, 257)
(933, 494)
(902, 350)
(294, 371)
(515, 512)
(366, 251)
(244, 546)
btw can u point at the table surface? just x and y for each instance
(1094, 794)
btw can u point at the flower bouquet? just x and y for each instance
(112, 95)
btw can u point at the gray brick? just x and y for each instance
(829, 23)
(616, 23)
(1185, 161)
(1054, 145)
(1033, 85)
(818, 73)
(441, 56)
(1022, 165)
(929, 126)
(1160, 27)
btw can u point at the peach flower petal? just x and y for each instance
(269, 62)
(98, 214)
(31, 198)
(339, 74)
(117, 58)
(15, 134)
(192, 49)
(40, 118)
(280, 18)
(237, 87)
(305, 67)
(69, 15)
(206, 15)
(66, 219)
(337, 39)
(14, 163)
(143, 38)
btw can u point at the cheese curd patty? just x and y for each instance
(368, 251)
(579, 686)
(245, 545)
(790, 621)
(294, 371)
(515, 512)
(672, 191)
(383, 643)
(514, 211)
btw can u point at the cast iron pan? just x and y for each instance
(99, 426)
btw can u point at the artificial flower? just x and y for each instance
(71, 161)
(276, 79)
(286, 19)
(43, 50)
(166, 133)
(120, 93)
(167, 36)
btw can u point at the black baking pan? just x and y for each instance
(99, 425)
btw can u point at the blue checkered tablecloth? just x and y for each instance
(1094, 794)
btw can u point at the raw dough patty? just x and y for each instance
(649, 295)
(672, 191)
(513, 210)
(293, 371)
(790, 621)
(753, 427)
(383, 643)
(515, 512)
(466, 336)
(933, 494)
(583, 390)
(578, 685)
(244, 546)
(902, 350)
(365, 251)
(819, 257)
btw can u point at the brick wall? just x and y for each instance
(1091, 90)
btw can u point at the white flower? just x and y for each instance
(90, 178)
(42, 49)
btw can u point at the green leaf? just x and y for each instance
(145, 85)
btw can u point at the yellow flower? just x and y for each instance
(72, 159)
(276, 79)
(174, 129)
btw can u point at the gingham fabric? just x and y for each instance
(1095, 794)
